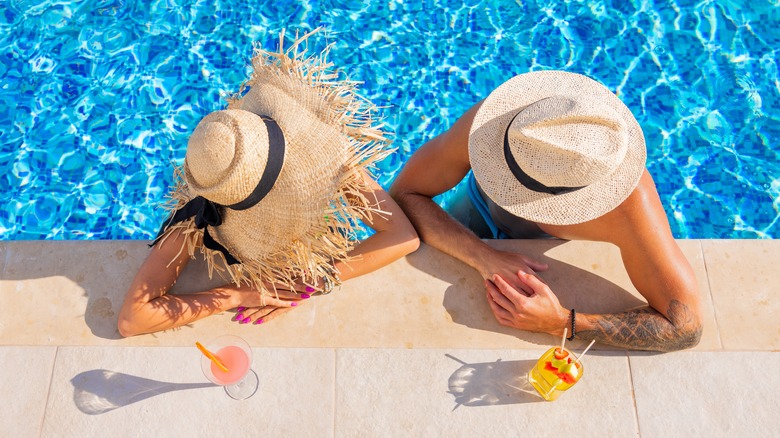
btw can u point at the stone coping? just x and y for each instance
(68, 293)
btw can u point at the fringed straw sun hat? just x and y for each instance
(556, 148)
(270, 190)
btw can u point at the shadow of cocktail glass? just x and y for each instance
(492, 383)
(100, 391)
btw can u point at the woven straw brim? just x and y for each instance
(486, 153)
(309, 218)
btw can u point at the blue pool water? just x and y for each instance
(98, 97)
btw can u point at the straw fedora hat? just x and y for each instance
(270, 189)
(556, 148)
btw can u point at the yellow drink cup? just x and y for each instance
(555, 372)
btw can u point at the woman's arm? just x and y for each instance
(149, 308)
(394, 236)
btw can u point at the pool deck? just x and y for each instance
(409, 351)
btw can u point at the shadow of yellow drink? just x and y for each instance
(555, 372)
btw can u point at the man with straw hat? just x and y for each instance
(271, 192)
(556, 154)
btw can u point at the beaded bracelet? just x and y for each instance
(573, 325)
(327, 286)
(328, 283)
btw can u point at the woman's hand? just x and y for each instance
(539, 312)
(257, 308)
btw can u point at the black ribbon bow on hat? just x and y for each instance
(206, 213)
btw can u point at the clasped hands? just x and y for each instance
(520, 299)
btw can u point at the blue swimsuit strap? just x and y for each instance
(482, 208)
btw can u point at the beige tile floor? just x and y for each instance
(411, 350)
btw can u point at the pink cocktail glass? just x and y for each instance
(240, 382)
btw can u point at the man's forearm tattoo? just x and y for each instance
(646, 329)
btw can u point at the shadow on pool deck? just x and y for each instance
(99, 391)
(576, 288)
(492, 383)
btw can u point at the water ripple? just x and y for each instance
(99, 96)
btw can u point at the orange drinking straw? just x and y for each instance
(211, 356)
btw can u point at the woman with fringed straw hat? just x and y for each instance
(271, 193)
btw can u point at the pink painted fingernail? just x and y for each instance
(246, 320)
(304, 296)
(240, 309)
(239, 317)
(259, 321)
(310, 289)
(293, 304)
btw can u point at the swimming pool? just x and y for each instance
(98, 97)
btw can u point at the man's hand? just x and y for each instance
(538, 312)
(506, 265)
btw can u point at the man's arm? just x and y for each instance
(660, 272)
(643, 329)
(655, 265)
(639, 329)
(433, 169)
(436, 167)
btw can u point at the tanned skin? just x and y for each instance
(518, 298)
